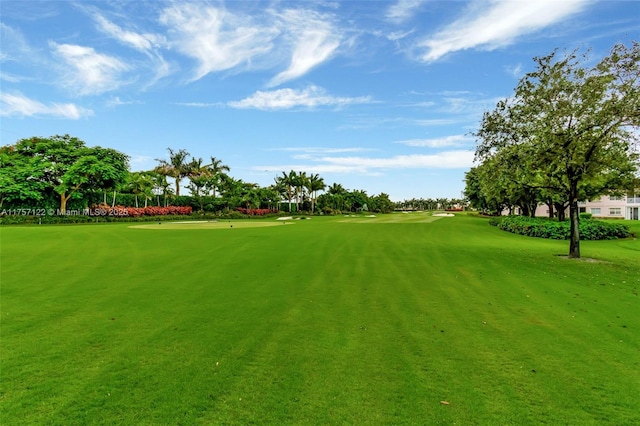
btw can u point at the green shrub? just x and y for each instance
(495, 220)
(585, 216)
(552, 229)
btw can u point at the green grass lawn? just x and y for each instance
(332, 320)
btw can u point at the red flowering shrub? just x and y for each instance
(106, 210)
(255, 212)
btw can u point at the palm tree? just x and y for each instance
(337, 192)
(198, 176)
(314, 184)
(300, 183)
(217, 169)
(280, 190)
(336, 189)
(140, 183)
(177, 167)
(287, 182)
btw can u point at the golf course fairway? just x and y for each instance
(395, 319)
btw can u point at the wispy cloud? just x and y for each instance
(201, 104)
(446, 141)
(315, 40)
(87, 71)
(143, 42)
(116, 101)
(14, 45)
(311, 97)
(370, 165)
(442, 160)
(403, 10)
(147, 43)
(18, 105)
(216, 38)
(514, 70)
(322, 150)
(495, 24)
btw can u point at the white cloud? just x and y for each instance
(315, 41)
(403, 10)
(323, 150)
(453, 140)
(116, 101)
(497, 23)
(398, 35)
(442, 160)
(87, 71)
(14, 46)
(147, 43)
(514, 70)
(310, 97)
(17, 105)
(368, 165)
(141, 42)
(217, 39)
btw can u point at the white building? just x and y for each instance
(605, 207)
(611, 207)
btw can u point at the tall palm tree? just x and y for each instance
(217, 169)
(300, 183)
(198, 176)
(177, 167)
(287, 181)
(314, 184)
(280, 190)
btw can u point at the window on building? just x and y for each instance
(615, 198)
(583, 209)
(594, 210)
(615, 211)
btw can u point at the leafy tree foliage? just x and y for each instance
(66, 166)
(566, 134)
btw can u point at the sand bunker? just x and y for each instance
(211, 225)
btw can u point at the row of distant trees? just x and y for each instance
(62, 172)
(568, 133)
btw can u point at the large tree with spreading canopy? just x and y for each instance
(575, 125)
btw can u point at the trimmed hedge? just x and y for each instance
(545, 228)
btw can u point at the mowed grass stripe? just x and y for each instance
(320, 322)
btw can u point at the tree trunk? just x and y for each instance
(551, 213)
(560, 208)
(574, 245)
(113, 201)
(63, 203)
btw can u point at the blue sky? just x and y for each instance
(375, 95)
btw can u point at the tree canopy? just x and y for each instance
(63, 165)
(567, 134)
